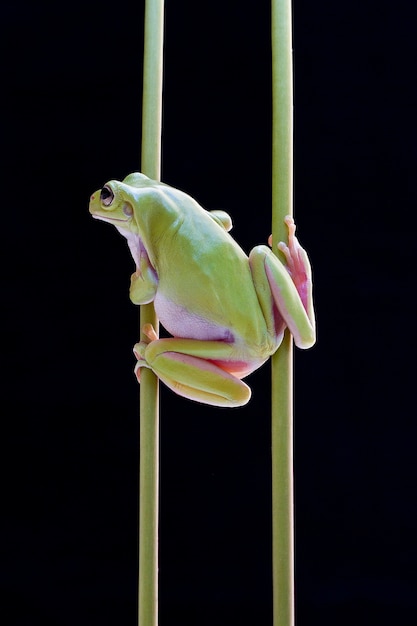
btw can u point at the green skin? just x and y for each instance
(226, 312)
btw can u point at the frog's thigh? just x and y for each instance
(181, 364)
(271, 279)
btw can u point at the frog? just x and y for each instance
(225, 311)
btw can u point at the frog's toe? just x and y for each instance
(289, 221)
(282, 247)
(139, 350)
(150, 332)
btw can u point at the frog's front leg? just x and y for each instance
(143, 283)
(288, 287)
(189, 367)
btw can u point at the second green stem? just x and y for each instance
(282, 376)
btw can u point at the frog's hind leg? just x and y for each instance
(207, 382)
(274, 321)
(186, 366)
(281, 298)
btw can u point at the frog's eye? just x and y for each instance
(106, 196)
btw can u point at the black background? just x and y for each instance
(71, 121)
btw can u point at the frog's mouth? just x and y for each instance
(110, 220)
(107, 214)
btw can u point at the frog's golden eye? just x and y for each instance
(106, 196)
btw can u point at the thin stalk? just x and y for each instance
(149, 393)
(282, 365)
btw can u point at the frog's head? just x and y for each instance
(140, 208)
(116, 201)
(111, 205)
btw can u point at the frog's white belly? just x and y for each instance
(181, 322)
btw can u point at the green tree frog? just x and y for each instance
(226, 311)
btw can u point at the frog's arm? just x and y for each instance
(143, 282)
(288, 287)
(189, 367)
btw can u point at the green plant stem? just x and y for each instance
(282, 366)
(149, 393)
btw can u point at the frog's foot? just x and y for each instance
(293, 244)
(297, 264)
(140, 347)
(295, 256)
(139, 352)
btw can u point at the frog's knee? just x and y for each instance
(258, 253)
(258, 256)
(260, 250)
(241, 396)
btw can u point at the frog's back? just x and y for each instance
(205, 284)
